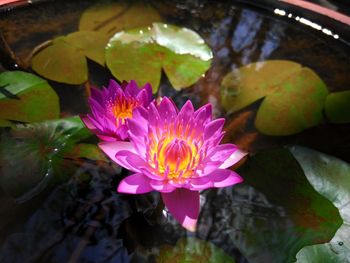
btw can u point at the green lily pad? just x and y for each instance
(114, 17)
(330, 176)
(192, 250)
(293, 96)
(64, 60)
(86, 150)
(142, 53)
(31, 155)
(31, 98)
(304, 216)
(337, 107)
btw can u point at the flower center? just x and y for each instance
(173, 158)
(122, 110)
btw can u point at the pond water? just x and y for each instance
(58, 199)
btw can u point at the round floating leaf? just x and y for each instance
(32, 154)
(295, 216)
(330, 176)
(193, 250)
(25, 97)
(113, 17)
(64, 60)
(337, 107)
(140, 54)
(90, 43)
(294, 96)
(88, 151)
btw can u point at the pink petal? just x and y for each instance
(87, 122)
(112, 86)
(213, 128)
(160, 186)
(132, 89)
(112, 148)
(135, 184)
(96, 95)
(183, 204)
(130, 160)
(167, 109)
(139, 144)
(137, 127)
(223, 178)
(205, 112)
(153, 115)
(106, 138)
(218, 178)
(148, 88)
(234, 158)
(221, 152)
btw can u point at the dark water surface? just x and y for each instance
(83, 219)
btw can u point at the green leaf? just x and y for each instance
(140, 54)
(31, 155)
(330, 176)
(64, 60)
(337, 107)
(305, 216)
(192, 250)
(113, 17)
(293, 95)
(89, 151)
(32, 99)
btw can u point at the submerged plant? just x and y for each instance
(112, 106)
(176, 153)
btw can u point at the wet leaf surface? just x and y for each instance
(337, 107)
(181, 52)
(25, 97)
(192, 250)
(64, 59)
(293, 96)
(33, 155)
(330, 176)
(113, 17)
(272, 215)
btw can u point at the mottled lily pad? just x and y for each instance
(142, 53)
(193, 250)
(301, 216)
(337, 107)
(31, 155)
(293, 96)
(25, 97)
(64, 60)
(113, 17)
(330, 176)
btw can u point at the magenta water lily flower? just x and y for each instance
(112, 106)
(176, 153)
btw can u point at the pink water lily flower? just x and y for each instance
(176, 153)
(112, 106)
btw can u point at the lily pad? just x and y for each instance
(25, 97)
(293, 96)
(142, 53)
(337, 107)
(31, 155)
(114, 17)
(330, 176)
(301, 216)
(88, 151)
(193, 250)
(64, 60)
